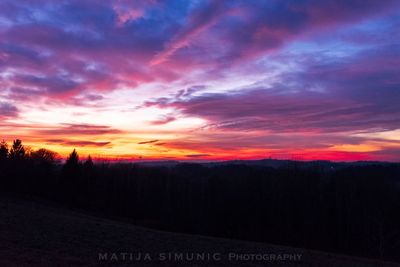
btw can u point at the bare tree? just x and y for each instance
(44, 156)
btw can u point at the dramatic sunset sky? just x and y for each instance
(249, 79)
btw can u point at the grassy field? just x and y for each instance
(35, 233)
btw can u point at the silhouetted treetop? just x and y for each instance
(89, 162)
(3, 150)
(44, 156)
(17, 151)
(73, 159)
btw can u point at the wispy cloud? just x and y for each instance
(148, 142)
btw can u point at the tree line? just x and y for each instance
(352, 210)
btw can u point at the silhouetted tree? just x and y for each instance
(73, 160)
(88, 163)
(17, 151)
(3, 151)
(70, 178)
(86, 180)
(39, 169)
(3, 165)
(44, 156)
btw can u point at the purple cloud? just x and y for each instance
(163, 120)
(75, 46)
(78, 143)
(68, 129)
(359, 95)
(8, 110)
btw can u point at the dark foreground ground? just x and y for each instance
(33, 233)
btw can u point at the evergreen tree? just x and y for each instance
(73, 160)
(70, 178)
(88, 163)
(17, 151)
(3, 151)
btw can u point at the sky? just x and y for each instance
(203, 80)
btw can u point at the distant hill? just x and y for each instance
(273, 163)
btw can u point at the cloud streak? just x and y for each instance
(78, 143)
(148, 142)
